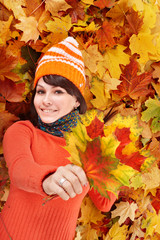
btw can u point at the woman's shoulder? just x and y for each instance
(20, 127)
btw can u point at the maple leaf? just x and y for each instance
(135, 229)
(60, 27)
(101, 97)
(135, 159)
(11, 91)
(116, 232)
(133, 85)
(6, 120)
(97, 167)
(34, 8)
(124, 210)
(152, 112)
(151, 179)
(55, 6)
(17, 7)
(95, 129)
(77, 10)
(105, 36)
(104, 3)
(5, 32)
(135, 22)
(156, 72)
(29, 27)
(89, 212)
(113, 58)
(142, 44)
(151, 223)
(156, 201)
(91, 57)
(7, 64)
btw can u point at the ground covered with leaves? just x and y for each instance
(120, 43)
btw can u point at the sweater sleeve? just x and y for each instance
(24, 172)
(102, 203)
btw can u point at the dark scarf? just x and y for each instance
(64, 124)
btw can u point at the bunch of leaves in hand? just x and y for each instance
(109, 155)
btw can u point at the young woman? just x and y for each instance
(37, 162)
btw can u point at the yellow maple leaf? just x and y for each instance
(59, 27)
(88, 233)
(77, 138)
(124, 210)
(91, 57)
(149, 17)
(117, 233)
(90, 28)
(151, 223)
(113, 58)
(44, 18)
(54, 6)
(101, 96)
(29, 26)
(17, 7)
(5, 32)
(151, 179)
(89, 213)
(143, 45)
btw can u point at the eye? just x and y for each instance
(40, 91)
(59, 92)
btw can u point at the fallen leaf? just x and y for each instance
(29, 27)
(133, 85)
(124, 210)
(11, 91)
(105, 36)
(55, 6)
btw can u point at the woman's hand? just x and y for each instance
(66, 182)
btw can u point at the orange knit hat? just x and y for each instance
(64, 59)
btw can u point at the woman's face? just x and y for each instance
(53, 102)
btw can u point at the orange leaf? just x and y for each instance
(133, 85)
(134, 22)
(95, 129)
(105, 36)
(12, 92)
(98, 167)
(7, 63)
(104, 3)
(77, 10)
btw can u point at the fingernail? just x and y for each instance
(85, 185)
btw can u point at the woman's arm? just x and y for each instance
(24, 172)
(102, 203)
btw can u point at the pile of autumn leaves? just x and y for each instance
(120, 43)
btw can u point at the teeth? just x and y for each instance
(46, 110)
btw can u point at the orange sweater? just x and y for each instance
(31, 154)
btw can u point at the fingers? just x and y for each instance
(67, 182)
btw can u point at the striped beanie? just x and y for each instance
(64, 59)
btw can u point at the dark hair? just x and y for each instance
(62, 82)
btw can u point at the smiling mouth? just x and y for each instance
(48, 110)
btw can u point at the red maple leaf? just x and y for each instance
(133, 85)
(95, 129)
(134, 22)
(156, 201)
(77, 10)
(134, 160)
(11, 91)
(104, 3)
(105, 36)
(98, 167)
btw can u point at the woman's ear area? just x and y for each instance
(77, 104)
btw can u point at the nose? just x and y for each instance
(47, 100)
